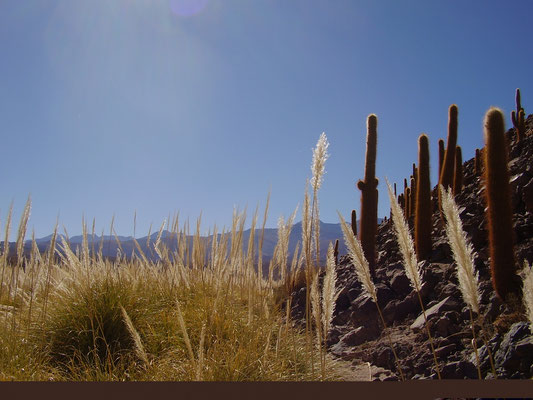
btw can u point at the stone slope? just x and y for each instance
(358, 335)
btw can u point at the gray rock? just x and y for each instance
(400, 283)
(459, 370)
(516, 349)
(358, 336)
(448, 304)
(445, 350)
(364, 310)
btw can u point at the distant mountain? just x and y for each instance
(328, 233)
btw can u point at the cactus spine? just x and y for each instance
(423, 222)
(499, 212)
(518, 118)
(448, 166)
(458, 176)
(369, 196)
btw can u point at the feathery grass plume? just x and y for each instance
(320, 155)
(315, 305)
(307, 254)
(260, 247)
(355, 251)
(405, 242)
(139, 348)
(317, 312)
(157, 242)
(412, 269)
(462, 250)
(362, 271)
(200, 365)
(6, 247)
(282, 246)
(329, 293)
(527, 280)
(22, 230)
(183, 328)
(463, 254)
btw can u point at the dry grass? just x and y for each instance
(189, 315)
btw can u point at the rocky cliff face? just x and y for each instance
(358, 334)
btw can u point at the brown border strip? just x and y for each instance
(268, 390)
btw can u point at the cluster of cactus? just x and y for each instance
(518, 118)
(369, 196)
(415, 200)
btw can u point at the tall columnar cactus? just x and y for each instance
(441, 155)
(336, 252)
(407, 202)
(448, 166)
(412, 200)
(369, 195)
(518, 118)
(354, 223)
(499, 212)
(477, 162)
(423, 212)
(395, 196)
(458, 173)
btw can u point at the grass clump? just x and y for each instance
(201, 312)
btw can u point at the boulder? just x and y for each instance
(448, 304)
(459, 370)
(516, 349)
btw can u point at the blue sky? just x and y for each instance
(112, 106)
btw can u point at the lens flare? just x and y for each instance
(187, 8)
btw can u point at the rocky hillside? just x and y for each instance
(359, 336)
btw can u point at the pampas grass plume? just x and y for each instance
(320, 155)
(462, 251)
(359, 261)
(405, 242)
(329, 295)
(139, 349)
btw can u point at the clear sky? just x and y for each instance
(112, 106)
